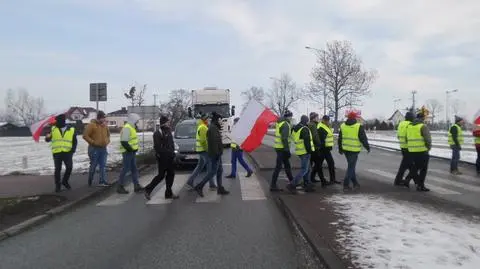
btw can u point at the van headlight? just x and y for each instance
(176, 148)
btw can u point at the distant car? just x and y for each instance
(185, 142)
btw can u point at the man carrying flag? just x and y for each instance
(237, 154)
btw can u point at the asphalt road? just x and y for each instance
(242, 230)
(382, 165)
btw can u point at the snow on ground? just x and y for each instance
(438, 140)
(39, 156)
(466, 156)
(383, 233)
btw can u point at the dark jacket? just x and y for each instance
(425, 133)
(322, 136)
(305, 135)
(361, 135)
(74, 141)
(454, 132)
(316, 139)
(214, 140)
(163, 142)
(285, 132)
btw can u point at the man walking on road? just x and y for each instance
(325, 134)
(312, 125)
(419, 143)
(165, 153)
(97, 136)
(350, 140)
(304, 147)
(215, 151)
(237, 154)
(406, 158)
(455, 140)
(283, 132)
(64, 144)
(129, 148)
(201, 147)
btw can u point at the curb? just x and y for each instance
(50, 214)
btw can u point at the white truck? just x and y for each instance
(210, 99)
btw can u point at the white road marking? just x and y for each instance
(251, 189)
(434, 188)
(442, 172)
(210, 196)
(116, 198)
(159, 197)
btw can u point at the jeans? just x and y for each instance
(129, 164)
(202, 163)
(283, 159)
(420, 167)
(165, 170)
(455, 158)
(215, 167)
(238, 155)
(478, 159)
(304, 172)
(405, 165)
(352, 158)
(98, 156)
(59, 159)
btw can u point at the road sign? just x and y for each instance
(98, 92)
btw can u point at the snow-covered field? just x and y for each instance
(39, 156)
(383, 233)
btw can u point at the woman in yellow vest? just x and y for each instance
(455, 140)
(350, 140)
(129, 148)
(304, 147)
(64, 144)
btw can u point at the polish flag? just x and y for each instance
(37, 128)
(252, 126)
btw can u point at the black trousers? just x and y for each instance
(283, 159)
(478, 159)
(420, 167)
(59, 159)
(166, 169)
(318, 158)
(406, 164)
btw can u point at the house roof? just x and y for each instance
(120, 112)
(395, 113)
(84, 110)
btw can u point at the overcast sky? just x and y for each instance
(55, 48)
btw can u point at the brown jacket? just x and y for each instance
(96, 134)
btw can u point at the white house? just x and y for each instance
(396, 118)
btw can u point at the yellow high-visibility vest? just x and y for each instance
(459, 135)
(415, 140)
(133, 140)
(329, 138)
(278, 136)
(201, 137)
(233, 145)
(402, 133)
(62, 143)
(300, 148)
(350, 140)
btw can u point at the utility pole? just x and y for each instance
(395, 102)
(413, 100)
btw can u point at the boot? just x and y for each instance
(309, 188)
(230, 176)
(138, 189)
(121, 190)
(170, 195)
(222, 191)
(58, 188)
(292, 189)
(275, 189)
(249, 174)
(199, 191)
(422, 188)
(147, 195)
(67, 186)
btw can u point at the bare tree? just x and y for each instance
(339, 74)
(23, 108)
(457, 106)
(136, 96)
(254, 93)
(435, 108)
(177, 106)
(284, 94)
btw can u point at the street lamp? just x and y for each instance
(447, 106)
(324, 88)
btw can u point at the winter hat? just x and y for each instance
(288, 114)
(409, 116)
(216, 116)
(163, 119)
(326, 118)
(313, 115)
(101, 115)
(352, 115)
(458, 119)
(304, 119)
(420, 115)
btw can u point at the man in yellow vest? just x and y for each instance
(350, 140)
(312, 125)
(128, 148)
(455, 140)
(237, 155)
(64, 144)
(283, 130)
(406, 163)
(419, 143)
(304, 147)
(325, 134)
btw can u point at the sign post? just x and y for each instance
(98, 93)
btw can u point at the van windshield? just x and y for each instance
(185, 131)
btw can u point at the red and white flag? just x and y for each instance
(37, 128)
(252, 126)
